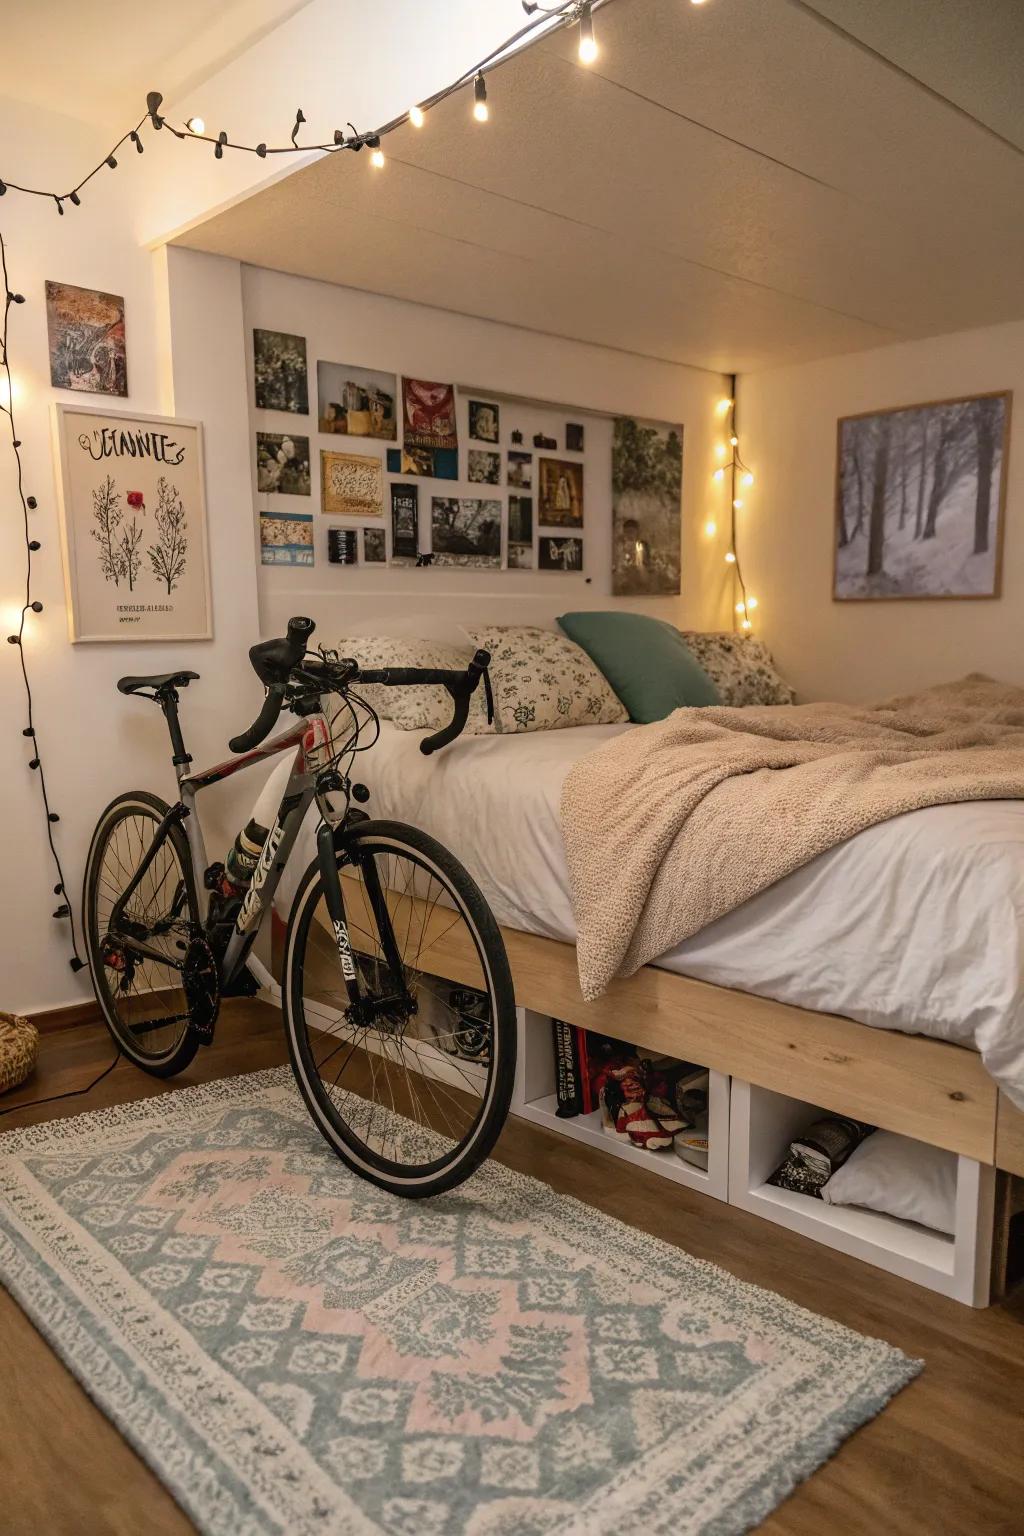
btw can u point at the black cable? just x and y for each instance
(73, 1093)
(36, 762)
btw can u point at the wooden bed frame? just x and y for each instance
(927, 1089)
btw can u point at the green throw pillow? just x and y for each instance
(646, 661)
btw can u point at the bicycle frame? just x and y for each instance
(311, 741)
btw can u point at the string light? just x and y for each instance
(741, 476)
(567, 13)
(710, 527)
(588, 43)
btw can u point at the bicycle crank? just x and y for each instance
(201, 985)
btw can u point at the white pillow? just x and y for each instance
(901, 1177)
(415, 707)
(542, 681)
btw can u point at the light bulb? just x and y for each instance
(720, 450)
(751, 602)
(719, 474)
(748, 479)
(196, 125)
(741, 607)
(480, 111)
(417, 117)
(588, 45)
(723, 406)
(738, 502)
(730, 558)
(710, 527)
(734, 440)
(377, 159)
(697, 2)
(746, 624)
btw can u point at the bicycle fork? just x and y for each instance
(365, 1009)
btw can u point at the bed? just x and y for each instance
(915, 925)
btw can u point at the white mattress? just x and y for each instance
(916, 924)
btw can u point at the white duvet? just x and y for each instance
(916, 924)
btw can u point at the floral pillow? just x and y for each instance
(415, 707)
(542, 681)
(740, 667)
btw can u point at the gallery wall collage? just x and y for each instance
(390, 484)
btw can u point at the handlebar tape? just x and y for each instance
(264, 722)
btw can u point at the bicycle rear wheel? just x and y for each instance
(411, 1088)
(143, 999)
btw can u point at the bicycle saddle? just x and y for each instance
(158, 680)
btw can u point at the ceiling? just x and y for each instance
(95, 61)
(733, 185)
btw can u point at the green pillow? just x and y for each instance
(646, 661)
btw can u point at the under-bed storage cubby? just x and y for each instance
(762, 1126)
(536, 1099)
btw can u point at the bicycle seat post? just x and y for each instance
(168, 698)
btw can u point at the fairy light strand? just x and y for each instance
(193, 131)
(741, 477)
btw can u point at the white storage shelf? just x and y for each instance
(535, 1100)
(762, 1124)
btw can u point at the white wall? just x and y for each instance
(868, 651)
(346, 326)
(95, 742)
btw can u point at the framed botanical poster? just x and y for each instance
(351, 484)
(920, 500)
(133, 526)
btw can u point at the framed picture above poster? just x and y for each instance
(921, 499)
(351, 484)
(647, 487)
(133, 526)
(85, 329)
(356, 402)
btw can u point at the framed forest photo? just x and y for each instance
(920, 500)
(133, 526)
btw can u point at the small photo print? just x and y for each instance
(483, 421)
(561, 493)
(520, 557)
(574, 437)
(356, 402)
(541, 440)
(484, 467)
(282, 463)
(279, 367)
(341, 546)
(87, 342)
(560, 555)
(465, 532)
(520, 520)
(351, 485)
(375, 551)
(286, 538)
(405, 538)
(427, 463)
(428, 414)
(520, 469)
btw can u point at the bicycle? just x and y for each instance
(388, 934)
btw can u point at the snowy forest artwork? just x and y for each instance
(919, 500)
(134, 527)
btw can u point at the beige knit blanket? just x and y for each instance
(672, 825)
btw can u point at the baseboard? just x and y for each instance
(68, 1017)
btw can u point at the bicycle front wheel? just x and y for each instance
(411, 1086)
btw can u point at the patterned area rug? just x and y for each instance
(294, 1351)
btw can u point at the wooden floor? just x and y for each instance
(946, 1457)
